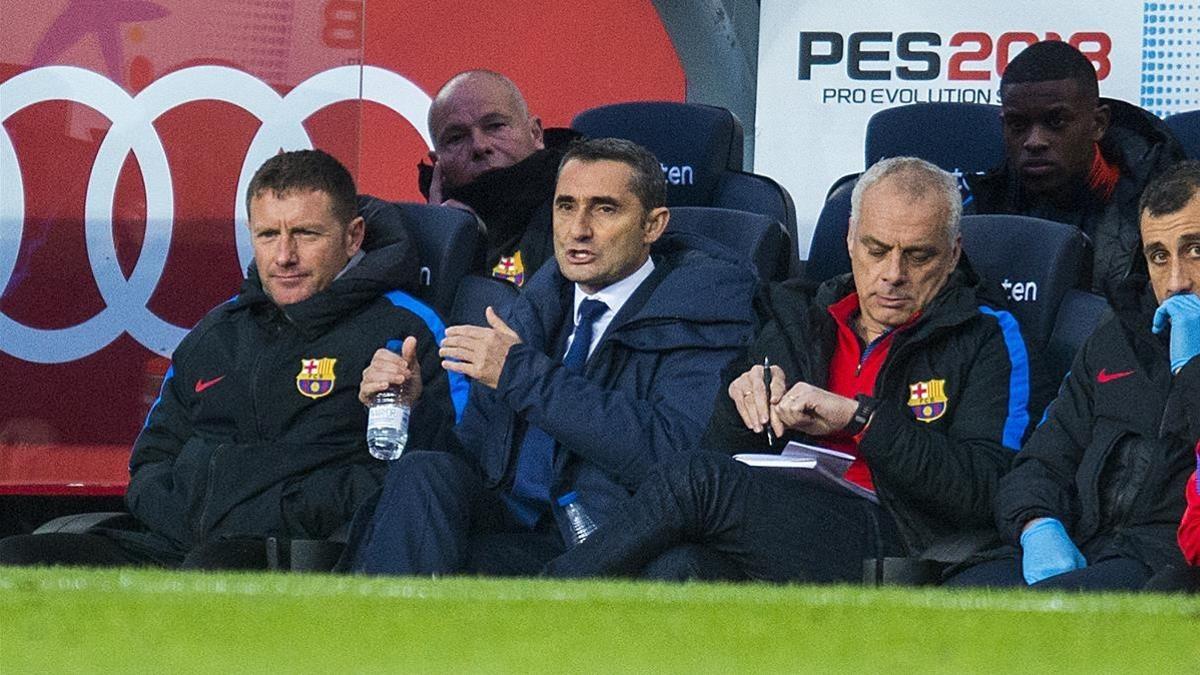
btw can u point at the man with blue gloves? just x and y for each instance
(1095, 496)
(1182, 313)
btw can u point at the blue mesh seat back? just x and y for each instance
(827, 254)
(743, 191)
(449, 247)
(753, 238)
(475, 294)
(694, 143)
(1185, 126)
(955, 136)
(1034, 261)
(1078, 315)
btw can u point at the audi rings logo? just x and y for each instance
(132, 130)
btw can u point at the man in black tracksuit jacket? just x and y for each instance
(1094, 498)
(258, 431)
(934, 462)
(1141, 147)
(1097, 463)
(1073, 157)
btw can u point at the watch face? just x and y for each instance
(862, 414)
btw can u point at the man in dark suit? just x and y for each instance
(607, 364)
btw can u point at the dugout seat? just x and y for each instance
(701, 141)
(385, 225)
(758, 240)
(448, 245)
(964, 137)
(475, 294)
(1035, 263)
(700, 150)
(1079, 313)
(1186, 128)
(827, 254)
(958, 137)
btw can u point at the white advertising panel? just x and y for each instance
(826, 66)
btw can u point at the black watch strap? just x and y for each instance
(862, 415)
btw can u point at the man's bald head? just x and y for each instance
(472, 78)
(479, 121)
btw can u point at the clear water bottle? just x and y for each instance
(582, 525)
(387, 424)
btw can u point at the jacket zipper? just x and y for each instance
(274, 332)
(198, 528)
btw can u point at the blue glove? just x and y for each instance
(1183, 313)
(1048, 551)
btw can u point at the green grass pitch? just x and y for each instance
(70, 620)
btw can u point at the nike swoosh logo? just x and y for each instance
(201, 385)
(1104, 376)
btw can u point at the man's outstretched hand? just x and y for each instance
(478, 352)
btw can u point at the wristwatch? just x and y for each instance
(862, 415)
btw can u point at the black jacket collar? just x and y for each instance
(506, 199)
(380, 271)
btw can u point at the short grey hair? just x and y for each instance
(915, 178)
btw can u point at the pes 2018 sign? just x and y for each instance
(823, 71)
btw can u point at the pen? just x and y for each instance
(767, 385)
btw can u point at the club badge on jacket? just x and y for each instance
(316, 377)
(510, 268)
(927, 399)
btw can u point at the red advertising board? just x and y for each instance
(130, 129)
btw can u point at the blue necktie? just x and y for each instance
(535, 463)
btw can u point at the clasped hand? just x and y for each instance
(804, 408)
(388, 369)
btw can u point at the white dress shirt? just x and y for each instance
(615, 296)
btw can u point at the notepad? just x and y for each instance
(820, 466)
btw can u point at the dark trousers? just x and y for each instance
(692, 562)
(97, 550)
(1175, 580)
(769, 526)
(434, 516)
(1110, 574)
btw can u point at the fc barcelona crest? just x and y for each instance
(927, 399)
(316, 377)
(510, 268)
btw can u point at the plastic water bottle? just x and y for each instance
(582, 525)
(387, 424)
